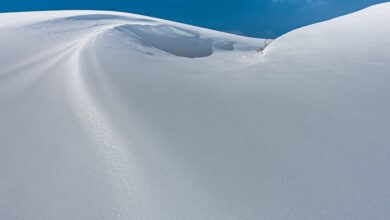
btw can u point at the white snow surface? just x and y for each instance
(107, 115)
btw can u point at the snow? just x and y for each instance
(108, 115)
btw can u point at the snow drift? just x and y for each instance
(105, 115)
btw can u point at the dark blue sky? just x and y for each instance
(256, 18)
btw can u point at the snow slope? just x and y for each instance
(105, 115)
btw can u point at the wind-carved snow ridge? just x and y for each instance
(108, 115)
(101, 133)
(168, 37)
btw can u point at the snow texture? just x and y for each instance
(107, 115)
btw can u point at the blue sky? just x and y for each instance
(255, 18)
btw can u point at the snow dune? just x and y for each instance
(107, 115)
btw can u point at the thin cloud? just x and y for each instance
(304, 3)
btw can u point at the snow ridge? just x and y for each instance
(108, 115)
